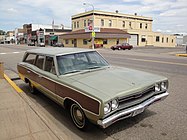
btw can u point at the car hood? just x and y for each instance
(113, 82)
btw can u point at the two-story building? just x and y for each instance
(135, 29)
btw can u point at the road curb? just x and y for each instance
(18, 90)
(183, 55)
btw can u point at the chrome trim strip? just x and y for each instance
(67, 87)
(129, 111)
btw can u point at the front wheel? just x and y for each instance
(78, 116)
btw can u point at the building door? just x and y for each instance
(75, 42)
(133, 40)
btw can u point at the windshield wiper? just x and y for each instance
(73, 71)
(94, 67)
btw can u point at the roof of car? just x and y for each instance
(57, 51)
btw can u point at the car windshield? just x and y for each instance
(78, 62)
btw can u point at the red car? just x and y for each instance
(122, 46)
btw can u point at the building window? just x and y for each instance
(102, 22)
(123, 24)
(85, 41)
(72, 41)
(143, 38)
(67, 41)
(105, 41)
(110, 23)
(77, 24)
(74, 24)
(140, 25)
(172, 41)
(157, 38)
(167, 39)
(146, 26)
(89, 22)
(162, 40)
(84, 23)
(130, 25)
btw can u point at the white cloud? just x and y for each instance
(166, 13)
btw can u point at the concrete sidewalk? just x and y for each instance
(18, 121)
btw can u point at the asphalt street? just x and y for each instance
(166, 120)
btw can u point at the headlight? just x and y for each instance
(114, 104)
(107, 108)
(164, 85)
(157, 87)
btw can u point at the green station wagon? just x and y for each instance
(83, 82)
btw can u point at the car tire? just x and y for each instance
(32, 89)
(78, 117)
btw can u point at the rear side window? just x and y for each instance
(30, 58)
(40, 61)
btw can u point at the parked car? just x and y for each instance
(84, 83)
(122, 46)
(31, 44)
(58, 45)
(42, 44)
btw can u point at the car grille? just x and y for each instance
(136, 98)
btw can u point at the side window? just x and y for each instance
(40, 61)
(49, 65)
(30, 58)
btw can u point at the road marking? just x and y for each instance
(155, 61)
(16, 52)
(2, 53)
(10, 53)
(13, 84)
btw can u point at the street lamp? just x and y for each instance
(92, 23)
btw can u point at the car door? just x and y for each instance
(47, 75)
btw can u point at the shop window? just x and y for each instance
(117, 41)
(102, 22)
(67, 41)
(123, 24)
(143, 38)
(85, 41)
(140, 25)
(110, 23)
(157, 38)
(105, 41)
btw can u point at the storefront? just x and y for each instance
(105, 38)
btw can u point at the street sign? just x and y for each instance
(89, 29)
(93, 34)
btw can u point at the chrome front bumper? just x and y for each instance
(130, 112)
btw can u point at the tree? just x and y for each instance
(2, 32)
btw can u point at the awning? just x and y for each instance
(53, 38)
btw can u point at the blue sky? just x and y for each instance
(169, 16)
